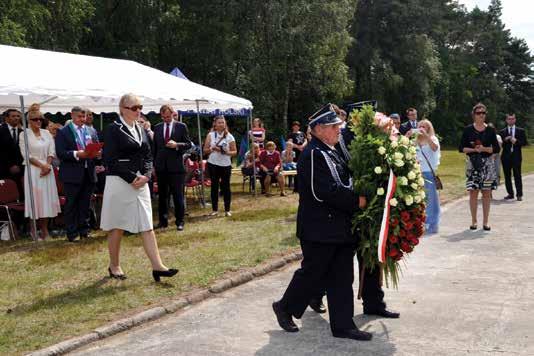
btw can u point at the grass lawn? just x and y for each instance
(54, 290)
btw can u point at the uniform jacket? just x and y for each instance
(507, 155)
(123, 155)
(405, 127)
(170, 159)
(326, 204)
(72, 170)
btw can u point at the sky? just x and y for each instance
(517, 17)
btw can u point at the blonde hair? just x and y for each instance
(431, 132)
(34, 111)
(128, 99)
(270, 144)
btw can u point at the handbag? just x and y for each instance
(437, 180)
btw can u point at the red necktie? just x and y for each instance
(167, 133)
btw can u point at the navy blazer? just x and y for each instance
(10, 154)
(170, 159)
(71, 169)
(405, 127)
(515, 156)
(326, 206)
(123, 155)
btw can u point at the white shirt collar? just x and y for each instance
(131, 127)
(11, 127)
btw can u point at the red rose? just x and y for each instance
(423, 218)
(415, 242)
(406, 247)
(394, 222)
(410, 236)
(405, 216)
(408, 225)
(393, 239)
(398, 257)
(393, 252)
(402, 233)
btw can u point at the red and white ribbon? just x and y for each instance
(384, 227)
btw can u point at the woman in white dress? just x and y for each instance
(126, 202)
(41, 151)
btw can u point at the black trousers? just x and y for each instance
(170, 183)
(372, 293)
(327, 267)
(76, 210)
(220, 177)
(508, 168)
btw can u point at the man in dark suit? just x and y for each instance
(409, 127)
(10, 156)
(170, 141)
(513, 138)
(326, 206)
(77, 172)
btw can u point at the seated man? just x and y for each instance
(271, 167)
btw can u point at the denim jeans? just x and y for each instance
(432, 203)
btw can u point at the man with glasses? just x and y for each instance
(513, 139)
(409, 127)
(10, 156)
(77, 172)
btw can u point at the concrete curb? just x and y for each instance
(170, 307)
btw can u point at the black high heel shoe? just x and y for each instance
(158, 274)
(116, 276)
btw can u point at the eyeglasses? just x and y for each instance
(37, 119)
(480, 113)
(134, 108)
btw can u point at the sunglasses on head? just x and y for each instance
(480, 113)
(134, 108)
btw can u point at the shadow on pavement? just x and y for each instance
(467, 235)
(315, 338)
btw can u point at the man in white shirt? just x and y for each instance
(513, 139)
(10, 156)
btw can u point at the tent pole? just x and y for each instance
(202, 199)
(28, 167)
(101, 122)
(251, 145)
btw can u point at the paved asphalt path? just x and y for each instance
(462, 293)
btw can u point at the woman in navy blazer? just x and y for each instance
(126, 202)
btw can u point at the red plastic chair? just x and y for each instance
(9, 200)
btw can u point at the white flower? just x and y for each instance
(393, 202)
(403, 180)
(404, 140)
(414, 186)
(412, 150)
(398, 163)
(409, 200)
(378, 170)
(421, 181)
(398, 156)
(380, 191)
(411, 175)
(408, 156)
(381, 150)
(422, 194)
(394, 144)
(417, 199)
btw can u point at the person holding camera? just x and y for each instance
(220, 147)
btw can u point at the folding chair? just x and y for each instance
(9, 200)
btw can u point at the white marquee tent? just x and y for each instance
(59, 81)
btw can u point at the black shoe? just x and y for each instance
(168, 273)
(317, 305)
(486, 228)
(72, 238)
(162, 226)
(473, 227)
(180, 227)
(116, 276)
(353, 334)
(508, 197)
(519, 198)
(84, 236)
(285, 320)
(383, 313)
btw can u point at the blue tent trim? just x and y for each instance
(178, 73)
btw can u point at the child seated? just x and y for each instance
(271, 168)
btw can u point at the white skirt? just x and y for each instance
(126, 208)
(45, 195)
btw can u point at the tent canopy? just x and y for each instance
(62, 80)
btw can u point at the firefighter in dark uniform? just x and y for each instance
(326, 206)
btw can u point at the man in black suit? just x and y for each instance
(10, 156)
(77, 172)
(171, 140)
(513, 138)
(409, 127)
(326, 207)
